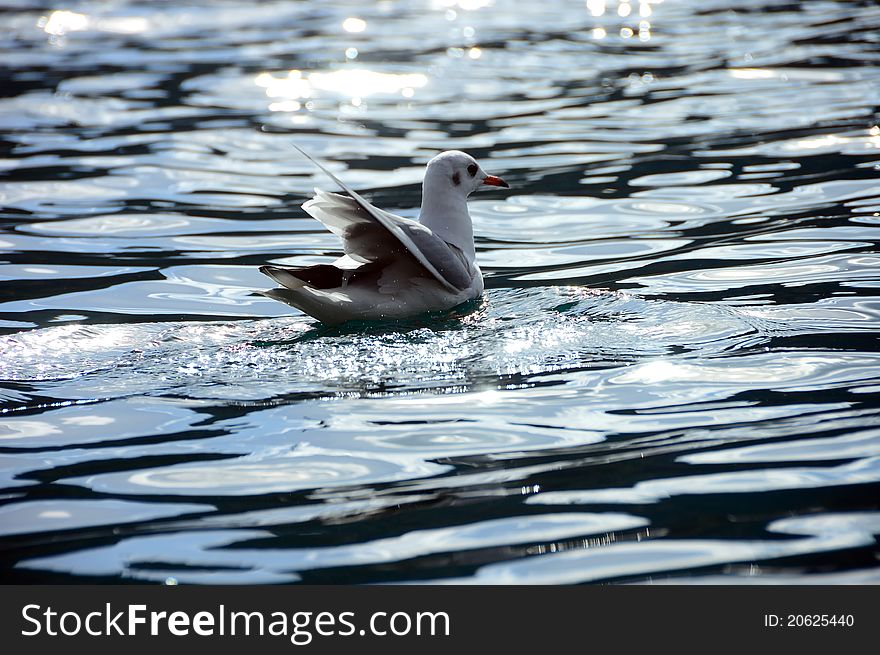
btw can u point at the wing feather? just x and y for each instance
(356, 221)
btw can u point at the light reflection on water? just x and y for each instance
(673, 372)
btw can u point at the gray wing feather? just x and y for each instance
(363, 239)
(448, 260)
(360, 239)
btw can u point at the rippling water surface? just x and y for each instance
(672, 376)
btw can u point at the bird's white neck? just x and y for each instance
(444, 211)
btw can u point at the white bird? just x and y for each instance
(393, 267)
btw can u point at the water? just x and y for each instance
(672, 376)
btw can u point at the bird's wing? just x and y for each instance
(371, 234)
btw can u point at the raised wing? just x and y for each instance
(365, 240)
(371, 234)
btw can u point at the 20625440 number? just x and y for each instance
(819, 620)
(809, 620)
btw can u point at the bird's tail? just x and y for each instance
(301, 293)
(304, 300)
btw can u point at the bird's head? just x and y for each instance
(459, 172)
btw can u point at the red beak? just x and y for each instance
(491, 180)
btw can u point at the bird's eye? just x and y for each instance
(472, 169)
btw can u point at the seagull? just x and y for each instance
(393, 267)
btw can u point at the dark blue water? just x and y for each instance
(674, 373)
